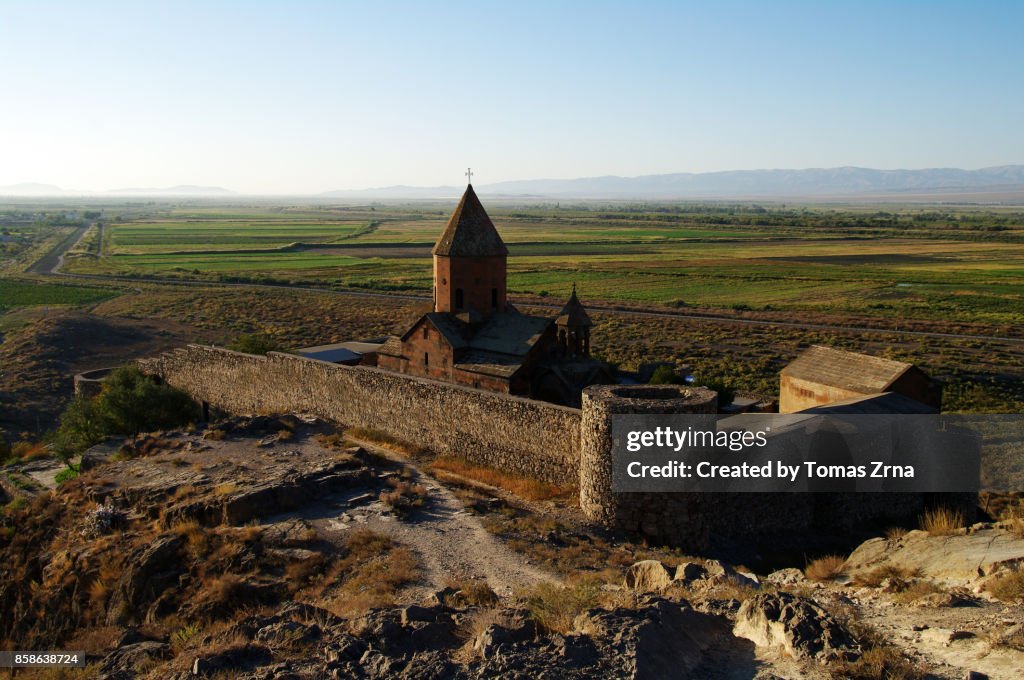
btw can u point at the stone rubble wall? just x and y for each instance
(515, 435)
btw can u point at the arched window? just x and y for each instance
(426, 360)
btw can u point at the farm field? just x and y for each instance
(959, 271)
(25, 293)
(962, 265)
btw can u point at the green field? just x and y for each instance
(962, 264)
(23, 294)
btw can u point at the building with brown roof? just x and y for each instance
(474, 336)
(823, 375)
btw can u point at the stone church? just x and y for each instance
(474, 336)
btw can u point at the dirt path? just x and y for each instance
(451, 542)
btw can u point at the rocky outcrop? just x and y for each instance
(648, 576)
(128, 661)
(152, 569)
(658, 639)
(796, 625)
(979, 551)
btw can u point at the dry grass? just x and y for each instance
(225, 489)
(472, 593)
(404, 496)
(942, 521)
(227, 590)
(874, 577)
(196, 538)
(1008, 587)
(894, 534)
(384, 439)
(371, 572)
(731, 590)
(28, 451)
(554, 608)
(96, 640)
(333, 440)
(215, 434)
(302, 572)
(825, 568)
(1015, 523)
(877, 662)
(250, 533)
(917, 590)
(472, 626)
(524, 487)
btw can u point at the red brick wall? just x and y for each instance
(476, 276)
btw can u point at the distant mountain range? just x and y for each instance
(777, 183)
(847, 182)
(813, 182)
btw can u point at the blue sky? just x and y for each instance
(306, 96)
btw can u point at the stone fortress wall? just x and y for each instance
(556, 444)
(521, 436)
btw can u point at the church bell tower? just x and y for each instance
(469, 262)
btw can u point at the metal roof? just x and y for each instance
(334, 356)
(513, 334)
(352, 345)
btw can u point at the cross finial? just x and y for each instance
(469, 175)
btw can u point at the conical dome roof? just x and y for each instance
(470, 232)
(574, 313)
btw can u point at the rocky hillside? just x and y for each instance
(278, 547)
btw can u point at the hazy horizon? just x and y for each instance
(308, 97)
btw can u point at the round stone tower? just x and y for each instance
(630, 511)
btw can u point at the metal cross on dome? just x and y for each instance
(469, 175)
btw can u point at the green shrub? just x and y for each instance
(665, 375)
(66, 474)
(725, 393)
(130, 402)
(255, 344)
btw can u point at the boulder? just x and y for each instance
(660, 639)
(688, 572)
(790, 576)
(241, 658)
(287, 632)
(575, 651)
(648, 576)
(796, 625)
(128, 661)
(495, 635)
